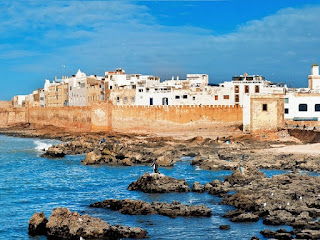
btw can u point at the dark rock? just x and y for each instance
(159, 183)
(245, 217)
(191, 154)
(279, 217)
(255, 238)
(233, 213)
(308, 234)
(279, 234)
(268, 233)
(54, 152)
(37, 224)
(92, 158)
(224, 227)
(244, 175)
(197, 187)
(71, 225)
(137, 207)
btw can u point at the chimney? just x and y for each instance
(177, 78)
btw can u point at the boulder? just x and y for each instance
(224, 227)
(159, 183)
(37, 224)
(54, 152)
(197, 187)
(244, 175)
(166, 160)
(92, 158)
(71, 225)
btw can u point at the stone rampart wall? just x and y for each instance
(102, 116)
(10, 116)
(156, 117)
(70, 118)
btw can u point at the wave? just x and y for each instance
(42, 145)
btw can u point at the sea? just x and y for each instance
(30, 184)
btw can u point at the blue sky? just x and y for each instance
(277, 39)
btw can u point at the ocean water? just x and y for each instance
(29, 184)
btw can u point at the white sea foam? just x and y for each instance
(42, 145)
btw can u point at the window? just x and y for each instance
(265, 107)
(110, 87)
(118, 99)
(236, 98)
(165, 101)
(286, 100)
(125, 99)
(132, 99)
(140, 90)
(177, 97)
(256, 89)
(225, 96)
(303, 107)
(246, 89)
(193, 98)
(216, 97)
(151, 101)
(70, 88)
(317, 108)
(236, 89)
(286, 111)
(185, 96)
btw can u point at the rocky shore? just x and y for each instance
(71, 225)
(159, 183)
(288, 199)
(137, 207)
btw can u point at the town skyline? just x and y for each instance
(161, 38)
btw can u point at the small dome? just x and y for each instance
(315, 65)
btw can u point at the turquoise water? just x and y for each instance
(30, 184)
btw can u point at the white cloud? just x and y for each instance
(99, 36)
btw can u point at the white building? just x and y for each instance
(303, 104)
(196, 91)
(77, 88)
(251, 84)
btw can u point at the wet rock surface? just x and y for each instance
(279, 234)
(71, 225)
(37, 224)
(288, 199)
(159, 183)
(224, 227)
(137, 207)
